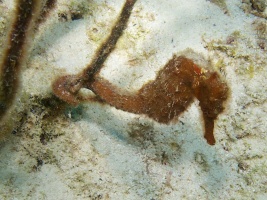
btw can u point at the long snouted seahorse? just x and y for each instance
(173, 90)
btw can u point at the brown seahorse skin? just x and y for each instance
(211, 93)
(170, 94)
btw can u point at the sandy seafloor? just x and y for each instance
(95, 151)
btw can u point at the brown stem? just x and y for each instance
(109, 45)
(67, 87)
(47, 8)
(27, 12)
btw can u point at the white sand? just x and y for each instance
(89, 153)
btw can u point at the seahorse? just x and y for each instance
(162, 99)
(170, 94)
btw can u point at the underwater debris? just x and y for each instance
(258, 5)
(255, 7)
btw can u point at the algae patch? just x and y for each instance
(221, 4)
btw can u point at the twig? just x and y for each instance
(67, 87)
(26, 14)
